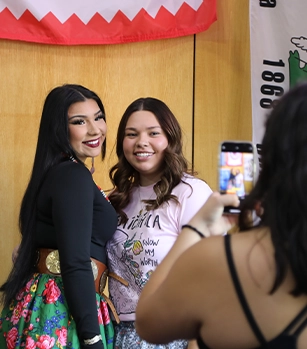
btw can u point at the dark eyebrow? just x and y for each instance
(148, 128)
(151, 127)
(130, 128)
(85, 116)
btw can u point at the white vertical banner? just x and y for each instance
(278, 33)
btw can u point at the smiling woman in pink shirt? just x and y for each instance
(154, 195)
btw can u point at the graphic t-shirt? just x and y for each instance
(138, 246)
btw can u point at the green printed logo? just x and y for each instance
(297, 66)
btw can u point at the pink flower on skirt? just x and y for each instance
(30, 343)
(62, 335)
(16, 313)
(20, 295)
(25, 313)
(51, 292)
(28, 317)
(11, 338)
(105, 313)
(26, 300)
(45, 342)
(100, 321)
(28, 285)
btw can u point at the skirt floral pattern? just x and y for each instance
(39, 318)
(126, 337)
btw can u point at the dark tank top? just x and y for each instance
(286, 339)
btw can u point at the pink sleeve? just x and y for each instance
(190, 203)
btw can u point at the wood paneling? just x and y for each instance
(216, 100)
(222, 86)
(118, 73)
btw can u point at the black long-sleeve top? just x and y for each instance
(74, 217)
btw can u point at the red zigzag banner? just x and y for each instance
(75, 22)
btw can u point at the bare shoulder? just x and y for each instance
(207, 259)
(214, 302)
(253, 243)
(209, 283)
(251, 253)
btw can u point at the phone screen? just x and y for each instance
(236, 170)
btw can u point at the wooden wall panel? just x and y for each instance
(220, 97)
(222, 86)
(118, 73)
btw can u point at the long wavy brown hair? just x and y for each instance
(124, 177)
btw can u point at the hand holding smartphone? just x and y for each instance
(236, 170)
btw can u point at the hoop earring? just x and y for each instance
(92, 170)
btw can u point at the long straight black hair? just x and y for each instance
(53, 147)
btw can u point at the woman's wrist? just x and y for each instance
(200, 225)
(191, 227)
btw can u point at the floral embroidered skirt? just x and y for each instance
(127, 338)
(39, 318)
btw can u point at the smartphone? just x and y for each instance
(236, 170)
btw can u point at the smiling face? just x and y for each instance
(144, 144)
(87, 128)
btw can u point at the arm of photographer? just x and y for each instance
(168, 307)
